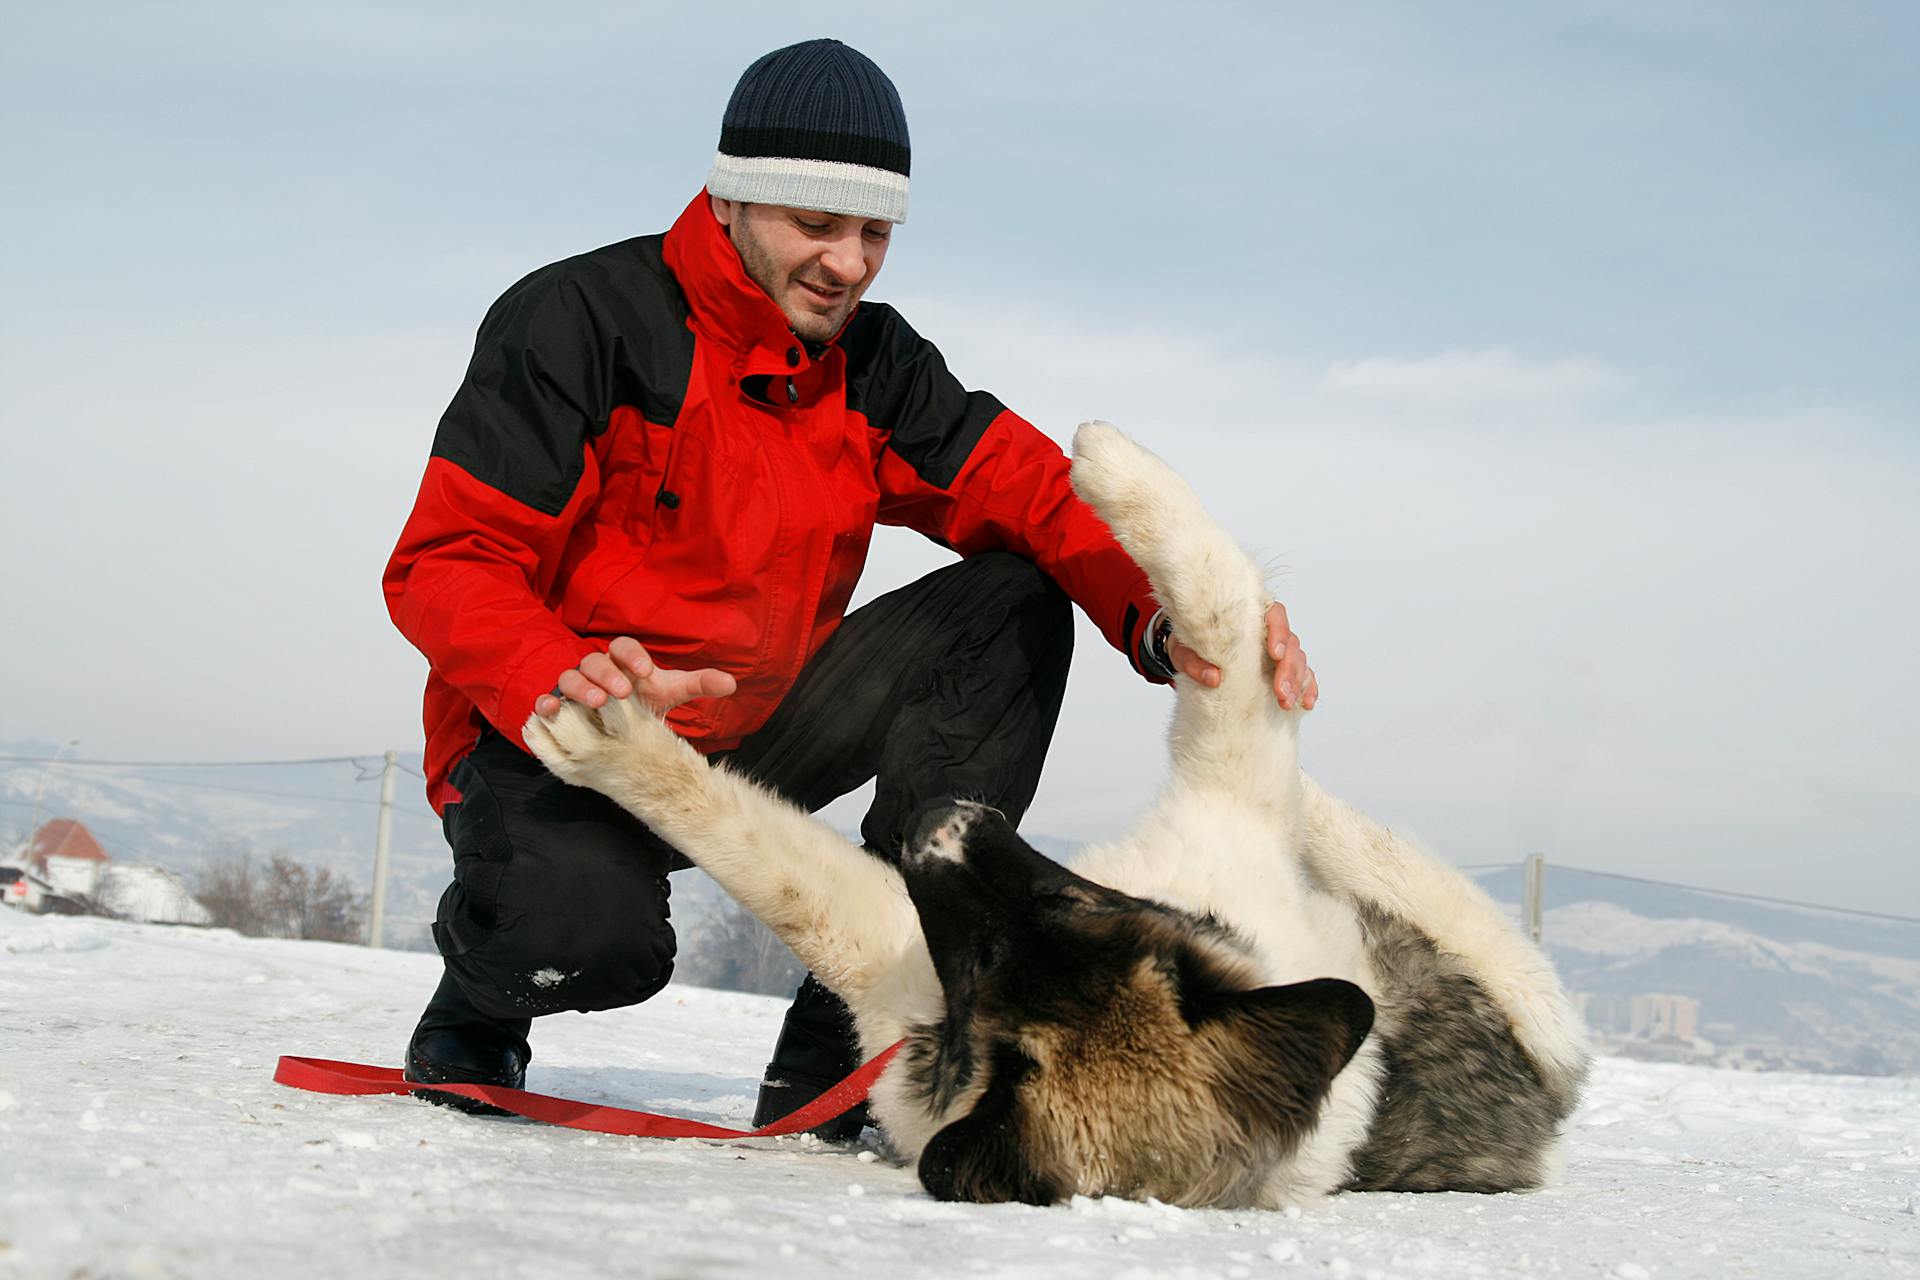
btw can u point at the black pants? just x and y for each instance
(949, 686)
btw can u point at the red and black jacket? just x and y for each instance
(642, 447)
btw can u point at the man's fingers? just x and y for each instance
(632, 656)
(603, 671)
(547, 705)
(574, 686)
(1312, 695)
(665, 690)
(1278, 630)
(1193, 666)
(1299, 674)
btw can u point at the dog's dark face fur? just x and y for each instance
(1107, 1044)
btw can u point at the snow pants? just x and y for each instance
(948, 686)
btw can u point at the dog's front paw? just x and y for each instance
(597, 748)
(1125, 483)
(1100, 453)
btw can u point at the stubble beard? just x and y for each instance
(808, 324)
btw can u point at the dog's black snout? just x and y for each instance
(926, 820)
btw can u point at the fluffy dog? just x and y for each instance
(1257, 997)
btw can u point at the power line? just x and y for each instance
(179, 764)
(357, 761)
(261, 791)
(1750, 897)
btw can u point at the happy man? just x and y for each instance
(661, 475)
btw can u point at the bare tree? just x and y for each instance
(283, 899)
(735, 952)
(228, 886)
(308, 902)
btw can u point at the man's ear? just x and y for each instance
(722, 210)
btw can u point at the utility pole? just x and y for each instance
(33, 823)
(1533, 893)
(377, 916)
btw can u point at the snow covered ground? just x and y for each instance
(141, 1135)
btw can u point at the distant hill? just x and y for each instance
(323, 814)
(1796, 988)
(1776, 985)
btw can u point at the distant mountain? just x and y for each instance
(1774, 985)
(322, 814)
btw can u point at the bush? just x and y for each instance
(735, 952)
(283, 899)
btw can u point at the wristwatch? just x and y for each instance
(1154, 639)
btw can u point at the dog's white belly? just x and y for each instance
(1225, 861)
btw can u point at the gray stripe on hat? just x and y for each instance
(827, 185)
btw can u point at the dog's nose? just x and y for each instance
(926, 820)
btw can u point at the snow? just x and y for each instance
(141, 1135)
(152, 894)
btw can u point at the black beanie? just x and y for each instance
(815, 125)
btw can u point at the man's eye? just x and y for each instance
(814, 228)
(879, 237)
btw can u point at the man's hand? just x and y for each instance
(625, 668)
(1293, 682)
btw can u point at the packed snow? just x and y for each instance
(141, 1135)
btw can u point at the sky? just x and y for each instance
(1560, 360)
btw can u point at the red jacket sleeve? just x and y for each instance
(466, 586)
(1013, 494)
(511, 471)
(962, 468)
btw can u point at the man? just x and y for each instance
(660, 476)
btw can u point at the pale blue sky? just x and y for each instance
(1563, 355)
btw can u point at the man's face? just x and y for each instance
(815, 266)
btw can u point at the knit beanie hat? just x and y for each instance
(815, 125)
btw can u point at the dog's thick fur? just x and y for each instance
(1257, 997)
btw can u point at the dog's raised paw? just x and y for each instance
(590, 746)
(1126, 483)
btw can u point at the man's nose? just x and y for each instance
(844, 261)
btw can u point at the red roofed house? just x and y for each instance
(62, 838)
(65, 854)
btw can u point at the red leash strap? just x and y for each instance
(323, 1075)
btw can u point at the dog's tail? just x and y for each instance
(1216, 597)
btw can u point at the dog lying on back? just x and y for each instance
(1257, 997)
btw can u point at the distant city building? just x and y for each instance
(1660, 1017)
(1605, 1013)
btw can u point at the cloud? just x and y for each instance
(1551, 607)
(1456, 379)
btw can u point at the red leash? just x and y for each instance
(322, 1075)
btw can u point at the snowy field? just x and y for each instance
(141, 1135)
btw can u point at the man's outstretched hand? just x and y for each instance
(1293, 682)
(625, 668)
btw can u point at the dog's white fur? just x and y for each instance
(1239, 833)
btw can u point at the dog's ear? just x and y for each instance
(979, 1157)
(1282, 1046)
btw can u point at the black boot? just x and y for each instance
(455, 1043)
(816, 1051)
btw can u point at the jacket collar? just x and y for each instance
(728, 308)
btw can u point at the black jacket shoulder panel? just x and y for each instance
(555, 356)
(900, 382)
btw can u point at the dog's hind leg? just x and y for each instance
(1232, 737)
(843, 911)
(1458, 977)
